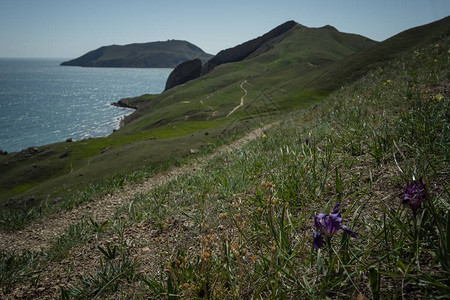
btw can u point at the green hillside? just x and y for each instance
(355, 66)
(145, 55)
(302, 66)
(282, 73)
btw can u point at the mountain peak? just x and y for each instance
(329, 27)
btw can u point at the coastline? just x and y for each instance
(122, 119)
(120, 122)
(125, 103)
(122, 104)
(74, 104)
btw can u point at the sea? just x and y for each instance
(42, 102)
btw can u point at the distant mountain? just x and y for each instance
(167, 54)
(326, 41)
(186, 71)
(279, 67)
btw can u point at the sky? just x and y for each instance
(70, 28)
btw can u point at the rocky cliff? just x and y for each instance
(184, 72)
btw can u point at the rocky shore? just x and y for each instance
(124, 104)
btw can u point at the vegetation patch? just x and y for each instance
(346, 198)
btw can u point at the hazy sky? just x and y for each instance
(70, 28)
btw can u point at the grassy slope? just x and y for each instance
(179, 118)
(242, 227)
(298, 55)
(353, 67)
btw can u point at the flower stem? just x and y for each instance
(330, 257)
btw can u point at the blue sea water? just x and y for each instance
(42, 102)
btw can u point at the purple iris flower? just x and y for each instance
(415, 194)
(328, 225)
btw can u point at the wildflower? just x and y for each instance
(435, 60)
(409, 79)
(328, 225)
(415, 193)
(307, 141)
(264, 136)
(436, 46)
(439, 97)
(388, 81)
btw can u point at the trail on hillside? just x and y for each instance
(41, 233)
(242, 99)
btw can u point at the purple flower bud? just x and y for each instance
(415, 193)
(318, 240)
(336, 208)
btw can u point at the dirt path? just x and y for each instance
(39, 234)
(242, 99)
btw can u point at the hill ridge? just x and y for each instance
(159, 54)
(185, 73)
